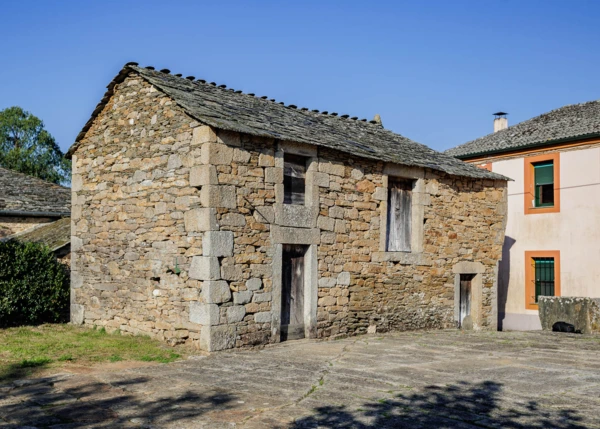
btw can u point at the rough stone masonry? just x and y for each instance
(178, 230)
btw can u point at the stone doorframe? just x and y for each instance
(310, 238)
(476, 269)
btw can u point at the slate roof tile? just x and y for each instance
(575, 121)
(23, 194)
(54, 235)
(232, 111)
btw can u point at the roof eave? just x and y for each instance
(34, 214)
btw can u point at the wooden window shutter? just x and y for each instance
(399, 216)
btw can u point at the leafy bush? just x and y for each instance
(34, 285)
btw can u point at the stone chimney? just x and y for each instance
(377, 120)
(500, 121)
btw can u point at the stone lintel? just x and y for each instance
(403, 258)
(296, 216)
(288, 235)
(302, 149)
(404, 171)
(468, 267)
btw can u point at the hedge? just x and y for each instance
(34, 285)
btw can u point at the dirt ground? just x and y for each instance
(443, 379)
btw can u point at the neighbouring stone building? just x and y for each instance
(204, 215)
(32, 209)
(26, 202)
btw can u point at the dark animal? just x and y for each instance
(564, 327)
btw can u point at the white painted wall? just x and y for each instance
(575, 231)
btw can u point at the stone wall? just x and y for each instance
(581, 312)
(178, 231)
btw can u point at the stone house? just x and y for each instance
(27, 202)
(32, 209)
(205, 215)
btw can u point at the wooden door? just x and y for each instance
(292, 292)
(465, 296)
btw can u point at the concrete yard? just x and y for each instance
(447, 379)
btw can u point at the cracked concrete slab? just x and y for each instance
(449, 379)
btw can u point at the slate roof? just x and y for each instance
(231, 110)
(572, 122)
(54, 235)
(29, 196)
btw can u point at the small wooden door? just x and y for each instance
(292, 292)
(465, 297)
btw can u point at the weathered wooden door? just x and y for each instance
(399, 216)
(465, 296)
(292, 293)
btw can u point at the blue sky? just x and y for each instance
(434, 70)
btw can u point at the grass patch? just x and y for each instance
(25, 351)
(35, 362)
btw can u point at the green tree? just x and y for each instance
(25, 146)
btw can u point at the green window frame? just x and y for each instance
(544, 277)
(543, 173)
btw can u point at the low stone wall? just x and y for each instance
(583, 313)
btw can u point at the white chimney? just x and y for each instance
(500, 121)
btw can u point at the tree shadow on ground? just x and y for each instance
(463, 405)
(74, 402)
(22, 369)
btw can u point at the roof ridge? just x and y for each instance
(537, 117)
(539, 127)
(265, 98)
(230, 110)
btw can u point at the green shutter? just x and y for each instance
(544, 173)
(543, 177)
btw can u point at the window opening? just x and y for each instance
(294, 179)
